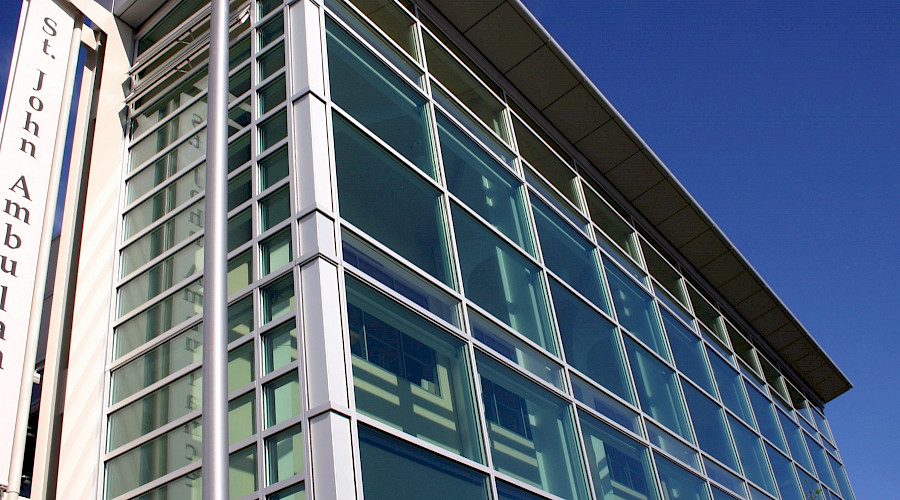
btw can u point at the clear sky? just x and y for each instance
(782, 119)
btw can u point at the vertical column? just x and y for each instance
(325, 356)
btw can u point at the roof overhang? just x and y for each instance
(518, 47)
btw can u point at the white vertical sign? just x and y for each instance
(28, 141)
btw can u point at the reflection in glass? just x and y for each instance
(753, 459)
(709, 426)
(784, 475)
(679, 484)
(687, 349)
(657, 389)
(408, 373)
(635, 310)
(532, 432)
(620, 466)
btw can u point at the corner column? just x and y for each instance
(324, 347)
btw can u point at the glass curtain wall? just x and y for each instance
(511, 332)
(529, 309)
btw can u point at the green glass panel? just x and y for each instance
(765, 417)
(277, 299)
(273, 168)
(568, 254)
(281, 399)
(279, 347)
(275, 252)
(284, 455)
(242, 472)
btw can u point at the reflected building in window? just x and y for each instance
(453, 272)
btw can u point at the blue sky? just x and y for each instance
(782, 120)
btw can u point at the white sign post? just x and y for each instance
(35, 112)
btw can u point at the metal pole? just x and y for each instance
(215, 266)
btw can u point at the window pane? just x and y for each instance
(710, 428)
(296, 492)
(240, 272)
(784, 475)
(724, 477)
(545, 161)
(679, 484)
(281, 399)
(483, 184)
(143, 371)
(620, 466)
(687, 349)
(753, 457)
(271, 61)
(465, 87)
(515, 350)
(591, 342)
(277, 299)
(399, 278)
(241, 417)
(377, 193)
(501, 280)
(731, 389)
(284, 455)
(795, 441)
(242, 472)
(672, 446)
(387, 462)
(272, 130)
(823, 470)
(506, 491)
(765, 417)
(657, 389)
(841, 475)
(272, 95)
(612, 224)
(409, 374)
(274, 208)
(379, 99)
(635, 310)
(273, 168)
(279, 347)
(606, 405)
(532, 432)
(275, 252)
(569, 255)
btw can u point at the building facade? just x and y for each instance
(454, 272)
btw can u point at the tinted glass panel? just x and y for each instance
(679, 484)
(657, 389)
(635, 310)
(619, 465)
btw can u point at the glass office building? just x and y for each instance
(454, 272)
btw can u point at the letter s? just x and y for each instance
(49, 26)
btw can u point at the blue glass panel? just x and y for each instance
(620, 466)
(731, 389)
(753, 459)
(823, 470)
(606, 405)
(765, 417)
(795, 441)
(687, 349)
(784, 475)
(709, 426)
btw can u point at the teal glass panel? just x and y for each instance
(394, 275)
(657, 388)
(277, 299)
(156, 364)
(823, 470)
(279, 347)
(841, 476)
(635, 310)
(474, 126)
(720, 494)
(765, 417)
(506, 491)
(385, 104)
(809, 486)
(410, 374)
(275, 252)
(545, 161)
(272, 130)
(784, 475)
(606, 405)
(710, 427)
(271, 61)
(274, 208)
(532, 432)
(241, 417)
(483, 184)
(377, 192)
(502, 281)
(619, 465)
(731, 389)
(678, 483)
(822, 425)
(591, 342)
(795, 441)
(270, 31)
(516, 350)
(753, 457)
(273, 168)
(400, 471)
(568, 254)
(272, 95)
(687, 349)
